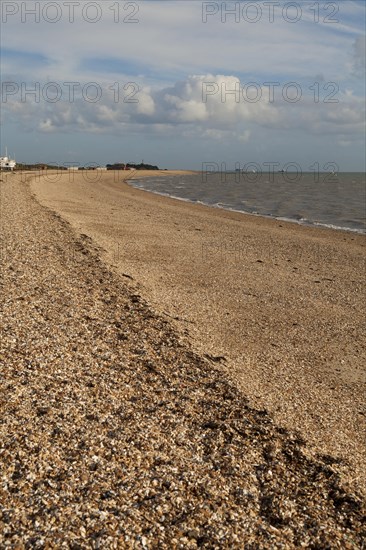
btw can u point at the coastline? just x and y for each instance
(174, 194)
(247, 213)
(116, 433)
(281, 302)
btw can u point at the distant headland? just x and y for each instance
(114, 166)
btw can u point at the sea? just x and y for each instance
(336, 201)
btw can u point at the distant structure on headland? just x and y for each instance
(131, 166)
(10, 164)
(6, 163)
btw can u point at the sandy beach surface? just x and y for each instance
(176, 376)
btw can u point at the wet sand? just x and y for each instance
(280, 306)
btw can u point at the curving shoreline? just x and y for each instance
(116, 433)
(198, 190)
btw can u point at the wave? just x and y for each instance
(244, 209)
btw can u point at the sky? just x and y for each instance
(182, 83)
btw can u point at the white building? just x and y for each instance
(6, 163)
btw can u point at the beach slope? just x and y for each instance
(115, 434)
(282, 304)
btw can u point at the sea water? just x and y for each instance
(337, 201)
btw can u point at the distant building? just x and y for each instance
(73, 168)
(6, 163)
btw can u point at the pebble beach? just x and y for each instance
(121, 427)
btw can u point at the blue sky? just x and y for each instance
(153, 81)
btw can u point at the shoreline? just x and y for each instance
(146, 174)
(114, 430)
(302, 222)
(280, 302)
(267, 216)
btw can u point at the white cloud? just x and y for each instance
(47, 125)
(146, 104)
(212, 105)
